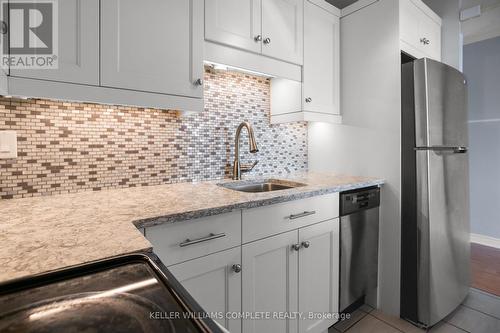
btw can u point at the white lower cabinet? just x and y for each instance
(214, 283)
(275, 265)
(294, 272)
(270, 282)
(319, 274)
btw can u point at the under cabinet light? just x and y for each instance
(218, 66)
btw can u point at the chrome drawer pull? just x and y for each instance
(188, 241)
(306, 213)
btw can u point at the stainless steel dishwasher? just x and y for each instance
(359, 211)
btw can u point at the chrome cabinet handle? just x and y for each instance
(257, 38)
(296, 247)
(236, 268)
(198, 82)
(308, 99)
(4, 29)
(306, 244)
(425, 41)
(296, 216)
(267, 40)
(460, 150)
(211, 236)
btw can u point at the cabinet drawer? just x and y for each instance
(181, 241)
(266, 221)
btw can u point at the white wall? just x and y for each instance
(368, 142)
(482, 70)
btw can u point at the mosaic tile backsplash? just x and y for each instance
(69, 147)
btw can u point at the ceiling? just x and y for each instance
(471, 3)
(485, 26)
(341, 3)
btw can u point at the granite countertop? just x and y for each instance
(47, 233)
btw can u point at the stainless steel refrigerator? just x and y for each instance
(435, 245)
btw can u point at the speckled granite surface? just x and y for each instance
(47, 233)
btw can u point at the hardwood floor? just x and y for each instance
(485, 265)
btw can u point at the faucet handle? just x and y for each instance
(248, 167)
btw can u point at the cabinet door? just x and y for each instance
(282, 29)
(321, 60)
(234, 22)
(408, 21)
(152, 45)
(78, 45)
(213, 283)
(431, 31)
(319, 274)
(420, 33)
(269, 282)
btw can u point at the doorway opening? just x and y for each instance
(481, 67)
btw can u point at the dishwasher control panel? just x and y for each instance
(359, 199)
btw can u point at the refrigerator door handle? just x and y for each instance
(456, 149)
(460, 150)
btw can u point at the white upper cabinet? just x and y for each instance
(282, 29)
(234, 22)
(78, 46)
(420, 30)
(321, 60)
(430, 36)
(153, 45)
(273, 28)
(316, 98)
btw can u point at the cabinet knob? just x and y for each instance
(308, 99)
(236, 268)
(198, 82)
(3, 28)
(296, 247)
(267, 40)
(306, 244)
(258, 38)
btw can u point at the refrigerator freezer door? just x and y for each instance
(443, 225)
(440, 105)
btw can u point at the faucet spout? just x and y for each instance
(252, 147)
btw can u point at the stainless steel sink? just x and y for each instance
(267, 185)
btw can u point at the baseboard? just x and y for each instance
(485, 240)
